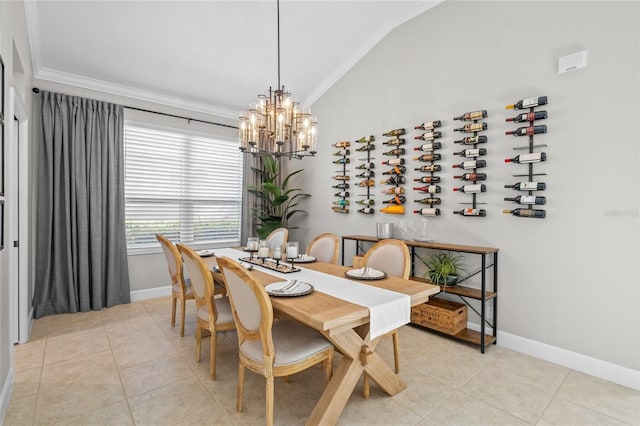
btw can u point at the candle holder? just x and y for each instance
(292, 252)
(252, 246)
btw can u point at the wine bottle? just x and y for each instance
(339, 209)
(473, 127)
(343, 185)
(471, 153)
(429, 201)
(395, 151)
(428, 147)
(428, 212)
(342, 152)
(341, 203)
(471, 212)
(367, 210)
(429, 168)
(342, 177)
(429, 125)
(394, 180)
(528, 103)
(429, 189)
(527, 199)
(528, 116)
(527, 213)
(393, 209)
(395, 142)
(429, 136)
(342, 161)
(368, 182)
(427, 179)
(528, 131)
(470, 189)
(473, 164)
(366, 202)
(472, 176)
(368, 147)
(528, 186)
(428, 157)
(397, 199)
(366, 174)
(533, 157)
(342, 194)
(394, 162)
(472, 140)
(473, 115)
(397, 170)
(366, 166)
(394, 190)
(342, 144)
(395, 132)
(366, 139)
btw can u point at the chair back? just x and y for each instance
(250, 305)
(325, 248)
(391, 256)
(201, 279)
(278, 237)
(174, 260)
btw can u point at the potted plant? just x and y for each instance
(444, 267)
(276, 202)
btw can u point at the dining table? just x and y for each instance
(345, 324)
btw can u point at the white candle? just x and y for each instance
(292, 253)
(263, 252)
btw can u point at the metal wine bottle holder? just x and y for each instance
(341, 205)
(431, 134)
(398, 178)
(369, 180)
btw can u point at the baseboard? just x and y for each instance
(595, 367)
(150, 293)
(5, 394)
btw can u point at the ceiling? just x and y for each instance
(208, 56)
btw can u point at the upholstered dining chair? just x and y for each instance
(393, 257)
(213, 313)
(267, 347)
(278, 237)
(325, 247)
(180, 288)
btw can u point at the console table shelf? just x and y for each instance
(486, 293)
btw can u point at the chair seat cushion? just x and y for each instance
(224, 311)
(292, 342)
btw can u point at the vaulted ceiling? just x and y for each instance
(208, 56)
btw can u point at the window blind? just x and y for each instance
(185, 186)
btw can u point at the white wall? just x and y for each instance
(570, 280)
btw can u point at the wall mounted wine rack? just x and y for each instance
(396, 174)
(429, 157)
(529, 158)
(341, 205)
(366, 173)
(472, 162)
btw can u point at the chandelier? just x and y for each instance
(277, 125)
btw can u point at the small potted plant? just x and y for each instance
(444, 267)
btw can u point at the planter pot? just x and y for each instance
(449, 280)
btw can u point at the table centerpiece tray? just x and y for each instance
(285, 268)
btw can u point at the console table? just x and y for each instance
(487, 292)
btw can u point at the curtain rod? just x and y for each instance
(37, 90)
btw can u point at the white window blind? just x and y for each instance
(187, 187)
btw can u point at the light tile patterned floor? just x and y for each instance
(126, 365)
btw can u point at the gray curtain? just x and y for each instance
(81, 252)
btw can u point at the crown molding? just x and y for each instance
(131, 92)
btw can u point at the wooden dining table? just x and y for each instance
(346, 325)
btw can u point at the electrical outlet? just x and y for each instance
(489, 312)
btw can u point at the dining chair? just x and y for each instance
(180, 288)
(267, 347)
(392, 257)
(278, 237)
(325, 247)
(213, 313)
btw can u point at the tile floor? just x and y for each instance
(126, 365)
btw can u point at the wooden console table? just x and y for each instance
(486, 292)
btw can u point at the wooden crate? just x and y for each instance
(440, 314)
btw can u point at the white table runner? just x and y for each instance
(388, 310)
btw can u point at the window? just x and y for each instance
(186, 186)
